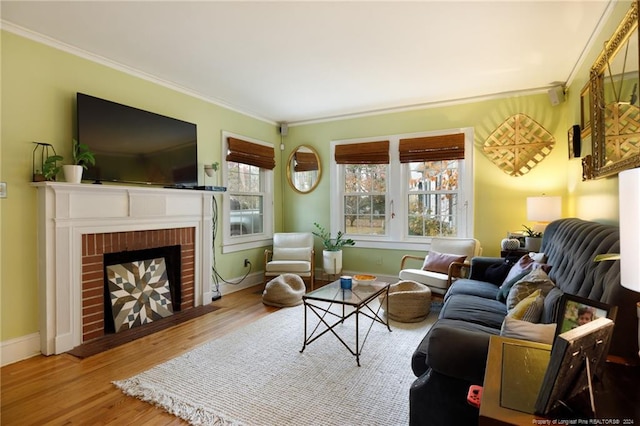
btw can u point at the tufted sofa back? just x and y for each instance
(570, 246)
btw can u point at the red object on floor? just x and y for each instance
(474, 395)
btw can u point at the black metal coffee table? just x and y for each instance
(354, 302)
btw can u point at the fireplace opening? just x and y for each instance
(141, 286)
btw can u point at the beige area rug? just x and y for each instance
(257, 376)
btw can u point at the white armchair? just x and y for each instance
(292, 253)
(439, 280)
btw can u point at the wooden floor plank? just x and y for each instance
(63, 390)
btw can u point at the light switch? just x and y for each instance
(3, 189)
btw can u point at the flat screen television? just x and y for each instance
(136, 146)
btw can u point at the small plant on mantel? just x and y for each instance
(51, 168)
(82, 155)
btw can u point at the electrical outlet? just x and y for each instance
(246, 263)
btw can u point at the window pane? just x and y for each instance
(243, 177)
(434, 176)
(433, 214)
(246, 214)
(365, 178)
(365, 214)
(364, 199)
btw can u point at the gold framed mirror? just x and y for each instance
(615, 110)
(304, 169)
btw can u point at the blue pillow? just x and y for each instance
(503, 292)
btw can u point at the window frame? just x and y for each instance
(397, 203)
(231, 244)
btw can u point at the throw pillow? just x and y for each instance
(439, 262)
(523, 266)
(530, 308)
(536, 279)
(503, 292)
(524, 330)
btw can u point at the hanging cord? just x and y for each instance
(215, 276)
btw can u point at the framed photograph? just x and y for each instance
(575, 311)
(577, 356)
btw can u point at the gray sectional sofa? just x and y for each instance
(453, 354)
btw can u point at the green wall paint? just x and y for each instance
(499, 198)
(38, 86)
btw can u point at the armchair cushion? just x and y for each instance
(436, 281)
(293, 253)
(284, 266)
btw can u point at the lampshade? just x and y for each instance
(629, 195)
(544, 209)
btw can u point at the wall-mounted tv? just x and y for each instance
(136, 146)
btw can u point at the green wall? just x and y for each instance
(499, 199)
(38, 86)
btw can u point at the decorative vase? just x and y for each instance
(508, 244)
(72, 173)
(212, 174)
(532, 243)
(332, 261)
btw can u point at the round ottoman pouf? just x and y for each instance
(409, 301)
(284, 290)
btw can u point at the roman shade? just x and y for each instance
(305, 161)
(432, 148)
(363, 153)
(251, 153)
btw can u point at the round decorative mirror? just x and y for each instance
(304, 169)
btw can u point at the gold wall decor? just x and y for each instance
(615, 110)
(518, 145)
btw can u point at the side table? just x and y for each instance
(519, 252)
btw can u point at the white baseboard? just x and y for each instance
(15, 350)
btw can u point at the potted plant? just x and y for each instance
(212, 171)
(82, 159)
(532, 240)
(332, 249)
(50, 167)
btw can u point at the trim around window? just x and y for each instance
(397, 194)
(233, 243)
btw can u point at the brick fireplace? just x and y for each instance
(79, 223)
(95, 246)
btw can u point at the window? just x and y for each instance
(404, 190)
(248, 203)
(433, 198)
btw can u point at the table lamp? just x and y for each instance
(543, 210)
(629, 192)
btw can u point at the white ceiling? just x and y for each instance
(298, 61)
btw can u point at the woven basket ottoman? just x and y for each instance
(409, 301)
(283, 291)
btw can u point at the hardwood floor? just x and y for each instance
(63, 390)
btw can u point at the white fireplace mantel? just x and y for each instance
(67, 211)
